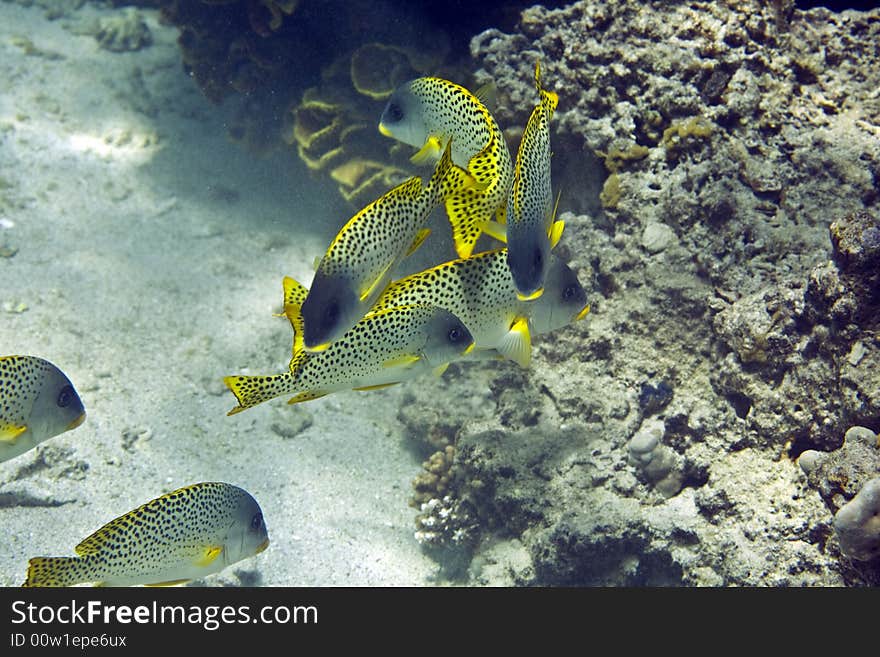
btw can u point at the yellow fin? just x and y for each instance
(294, 315)
(305, 396)
(430, 152)
(438, 371)
(381, 279)
(556, 232)
(517, 344)
(530, 297)
(494, 229)
(211, 553)
(173, 582)
(294, 293)
(583, 313)
(405, 360)
(376, 387)
(418, 241)
(10, 434)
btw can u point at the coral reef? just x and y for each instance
(728, 336)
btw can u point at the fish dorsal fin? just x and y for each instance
(208, 555)
(294, 314)
(494, 229)
(10, 434)
(556, 233)
(305, 396)
(402, 361)
(517, 344)
(429, 152)
(294, 293)
(95, 542)
(373, 286)
(418, 241)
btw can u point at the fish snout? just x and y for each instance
(78, 421)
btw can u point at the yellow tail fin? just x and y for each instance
(253, 390)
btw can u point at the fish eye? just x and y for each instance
(537, 258)
(395, 112)
(65, 396)
(569, 292)
(455, 334)
(257, 521)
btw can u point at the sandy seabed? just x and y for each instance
(144, 257)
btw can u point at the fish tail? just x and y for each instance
(469, 212)
(448, 178)
(55, 571)
(549, 99)
(253, 390)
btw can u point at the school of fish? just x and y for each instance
(355, 328)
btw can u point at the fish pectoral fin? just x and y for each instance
(9, 434)
(488, 95)
(209, 555)
(402, 361)
(173, 582)
(429, 152)
(517, 344)
(378, 386)
(556, 232)
(374, 285)
(418, 241)
(494, 230)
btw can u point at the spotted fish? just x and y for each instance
(182, 535)
(426, 113)
(479, 290)
(387, 347)
(531, 229)
(359, 262)
(37, 402)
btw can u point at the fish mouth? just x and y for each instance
(262, 546)
(530, 297)
(78, 421)
(385, 131)
(582, 313)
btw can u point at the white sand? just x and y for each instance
(146, 287)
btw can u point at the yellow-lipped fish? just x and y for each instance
(426, 113)
(384, 348)
(37, 402)
(531, 229)
(182, 535)
(359, 262)
(479, 290)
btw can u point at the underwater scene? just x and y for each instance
(385, 293)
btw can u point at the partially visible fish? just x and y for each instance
(188, 533)
(426, 113)
(384, 348)
(37, 402)
(360, 259)
(531, 229)
(479, 290)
